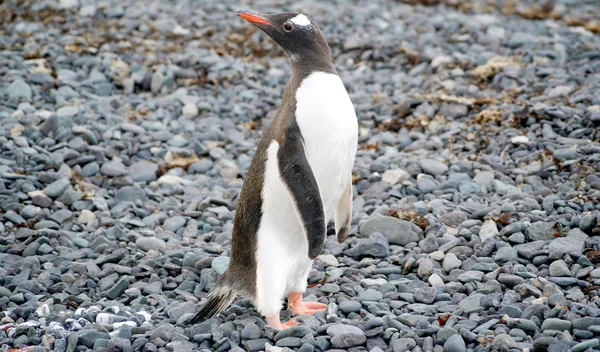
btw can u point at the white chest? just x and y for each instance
(328, 124)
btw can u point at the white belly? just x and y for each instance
(329, 126)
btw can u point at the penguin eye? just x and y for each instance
(288, 27)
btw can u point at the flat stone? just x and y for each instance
(556, 324)
(150, 243)
(375, 246)
(57, 188)
(396, 231)
(572, 244)
(559, 268)
(488, 230)
(344, 336)
(455, 344)
(143, 171)
(433, 167)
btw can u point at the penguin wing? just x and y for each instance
(298, 176)
(343, 213)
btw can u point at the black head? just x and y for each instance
(297, 34)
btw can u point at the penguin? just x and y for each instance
(299, 179)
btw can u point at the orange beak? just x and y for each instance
(252, 18)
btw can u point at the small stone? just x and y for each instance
(18, 89)
(396, 231)
(344, 336)
(506, 254)
(153, 288)
(219, 264)
(425, 295)
(370, 295)
(559, 268)
(143, 171)
(572, 244)
(519, 140)
(556, 324)
(403, 344)
(471, 276)
(433, 167)
(328, 260)
(350, 307)
(395, 176)
(57, 188)
(544, 231)
(118, 289)
(114, 168)
(488, 230)
(503, 341)
(175, 223)
(250, 332)
(375, 246)
(451, 262)
(455, 344)
(190, 110)
(150, 243)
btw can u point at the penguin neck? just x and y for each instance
(302, 68)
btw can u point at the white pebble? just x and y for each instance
(519, 140)
(190, 110)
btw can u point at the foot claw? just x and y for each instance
(308, 308)
(286, 325)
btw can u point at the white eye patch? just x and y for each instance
(301, 20)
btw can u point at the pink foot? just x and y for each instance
(274, 322)
(299, 307)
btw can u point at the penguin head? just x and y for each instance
(298, 35)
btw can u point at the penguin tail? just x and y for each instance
(218, 299)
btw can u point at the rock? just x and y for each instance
(114, 168)
(425, 295)
(153, 288)
(350, 306)
(470, 276)
(472, 303)
(451, 262)
(219, 264)
(175, 223)
(118, 289)
(250, 332)
(344, 336)
(328, 260)
(150, 243)
(503, 341)
(433, 167)
(429, 244)
(396, 231)
(455, 344)
(559, 268)
(556, 324)
(143, 171)
(57, 188)
(88, 337)
(131, 194)
(488, 230)
(506, 254)
(19, 90)
(403, 344)
(375, 246)
(572, 244)
(190, 110)
(544, 231)
(395, 176)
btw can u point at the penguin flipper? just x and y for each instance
(343, 213)
(296, 173)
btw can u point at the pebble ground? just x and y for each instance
(126, 128)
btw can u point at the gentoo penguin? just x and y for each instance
(299, 179)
